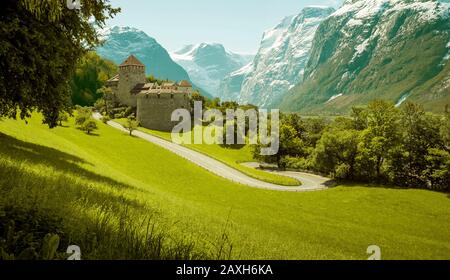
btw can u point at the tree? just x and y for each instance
(359, 116)
(232, 105)
(151, 79)
(106, 119)
(438, 169)
(40, 45)
(379, 138)
(63, 118)
(445, 128)
(84, 119)
(213, 104)
(87, 85)
(197, 97)
(82, 115)
(314, 128)
(419, 134)
(336, 153)
(290, 145)
(106, 101)
(131, 124)
(295, 121)
(89, 125)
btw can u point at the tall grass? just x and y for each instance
(43, 191)
(113, 195)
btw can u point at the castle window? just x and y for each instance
(171, 95)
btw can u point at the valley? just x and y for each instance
(112, 175)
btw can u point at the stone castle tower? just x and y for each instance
(154, 102)
(131, 73)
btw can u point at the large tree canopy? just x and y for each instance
(41, 42)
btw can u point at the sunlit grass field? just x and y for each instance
(232, 156)
(102, 190)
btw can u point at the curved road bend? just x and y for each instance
(309, 182)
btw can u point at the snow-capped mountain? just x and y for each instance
(279, 63)
(120, 42)
(391, 49)
(208, 64)
(231, 85)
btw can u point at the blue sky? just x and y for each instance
(237, 24)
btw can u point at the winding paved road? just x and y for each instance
(309, 182)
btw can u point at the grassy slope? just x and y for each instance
(121, 170)
(230, 156)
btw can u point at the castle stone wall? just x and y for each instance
(130, 76)
(154, 111)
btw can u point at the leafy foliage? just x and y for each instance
(122, 198)
(90, 75)
(132, 124)
(40, 45)
(378, 143)
(84, 120)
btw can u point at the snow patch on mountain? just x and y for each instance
(334, 97)
(209, 63)
(247, 69)
(280, 61)
(121, 41)
(365, 9)
(402, 99)
(363, 44)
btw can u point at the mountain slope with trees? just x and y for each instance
(396, 50)
(90, 75)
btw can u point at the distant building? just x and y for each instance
(154, 103)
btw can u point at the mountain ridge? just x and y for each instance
(390, 49)
(122, 41)
(279, 63)
(208, 63)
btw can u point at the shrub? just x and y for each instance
(88, 126)
(84, 120)
(106, 119)
(131, 124)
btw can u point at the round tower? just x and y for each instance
(131, 74)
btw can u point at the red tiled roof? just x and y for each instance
(114, 79)
(142, 88)
(132, 60)
(185, 83)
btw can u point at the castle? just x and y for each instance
(154, 103)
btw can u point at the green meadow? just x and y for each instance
(121, 197)
(232, 156)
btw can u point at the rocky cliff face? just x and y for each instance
(208, 64)
(391, 49)
(280, 61)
